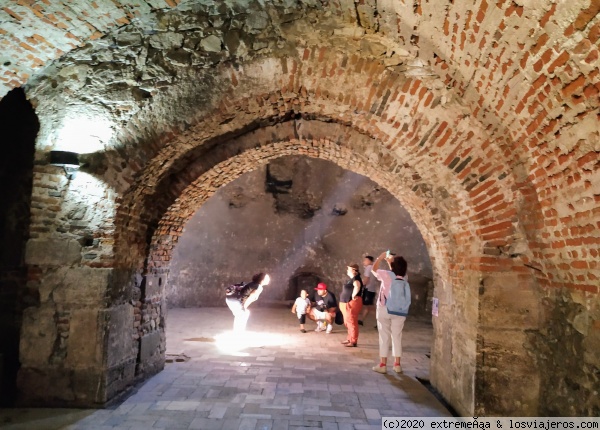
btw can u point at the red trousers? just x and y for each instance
(350, 311)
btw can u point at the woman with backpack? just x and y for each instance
(240, 296)
(392, 308)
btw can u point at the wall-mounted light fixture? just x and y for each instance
(69, 161)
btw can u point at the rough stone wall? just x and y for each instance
(35, 33)
(67, 333)
(295, 216)
(487, 135)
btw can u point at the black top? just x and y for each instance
(346, 295)
(324, 303)
(247, 290)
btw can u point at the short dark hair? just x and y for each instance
(399, 266)
(258, 278)
(370, 257)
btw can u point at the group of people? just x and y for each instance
(385, 290)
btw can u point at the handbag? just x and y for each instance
(339, 317)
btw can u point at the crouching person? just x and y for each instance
(323, 311)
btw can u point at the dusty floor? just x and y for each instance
(275, 377)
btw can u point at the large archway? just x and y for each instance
(458, 332)
(499, 174)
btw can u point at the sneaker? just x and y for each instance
(360, 322)
(380, 369)
(398, 369)
(329, 329)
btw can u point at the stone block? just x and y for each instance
(211, 43)
(89, 386)
(119, 377)
(149, 345)
(166, 40)
(453, 359)
(81, 286)
(52, 252)
(505, 362)
(119, 320)
(154, 285)
(44, 386)
(507, 303)
(84, 347)
(58, 387)
(372, 47)
(591, 343)
(38, 336)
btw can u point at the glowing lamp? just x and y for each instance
(69, 161)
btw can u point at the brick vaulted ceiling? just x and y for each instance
(492, 107)
(480, 117)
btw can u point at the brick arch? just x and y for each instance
(448, 152)
(522, 96)
(532, 107)
(198, 191)
(177, 196)
(456, 250)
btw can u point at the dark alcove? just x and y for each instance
(18, 130)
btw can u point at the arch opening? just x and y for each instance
(457, 275)
(168, 233)
(247, 226)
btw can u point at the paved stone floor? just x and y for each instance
(275, 377)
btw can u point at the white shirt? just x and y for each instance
(386, 277)
(301, 305)
(372, 285)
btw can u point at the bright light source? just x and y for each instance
(67, 160)
(84, 133)
(233, 343)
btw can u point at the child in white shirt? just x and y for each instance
(301, 308)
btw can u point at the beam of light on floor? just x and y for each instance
(235, 343)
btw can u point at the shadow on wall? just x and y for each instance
(18, 127)
(302, 220)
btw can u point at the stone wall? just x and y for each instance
(296, 216)
(66, 332)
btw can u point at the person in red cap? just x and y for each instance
(323, 311)
(351, 303)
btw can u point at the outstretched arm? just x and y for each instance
(253, 296)
(377, 262)
(256, 293)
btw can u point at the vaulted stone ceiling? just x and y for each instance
(498, 97)
(480, 117)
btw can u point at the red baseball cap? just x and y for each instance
(321, 287)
